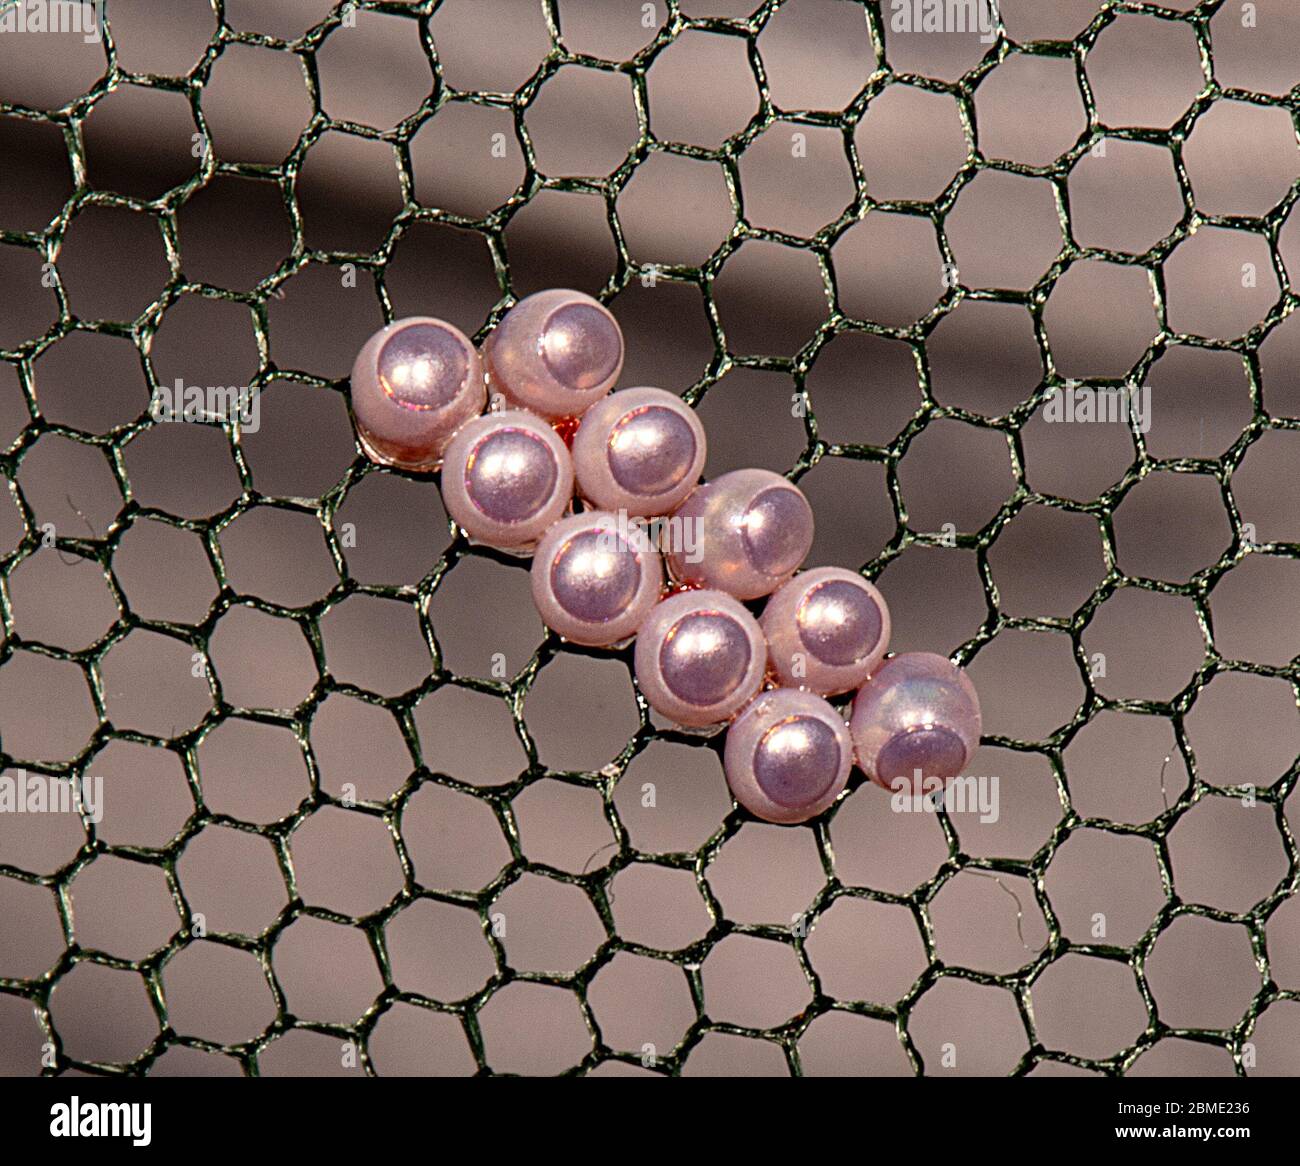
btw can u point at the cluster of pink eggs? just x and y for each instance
(633, 459)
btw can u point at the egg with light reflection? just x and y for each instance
(555, 353)
(640, 451)
(414, 384)
(506, 479)
(593, 580)
(827, 629)
(915, 721)
(788, 756)
(700, 658)
(752, 530)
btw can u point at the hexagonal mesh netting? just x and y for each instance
(101, 548)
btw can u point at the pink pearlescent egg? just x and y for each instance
(750, 531)
(556, 353)
(640, 451)
(788, 756)
(827, 630)
(593, 582)
(506, 479)
(414, 384)
(916, 721)
(700, 658)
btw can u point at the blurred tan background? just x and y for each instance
(173, 501)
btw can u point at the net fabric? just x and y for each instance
(596, 883)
